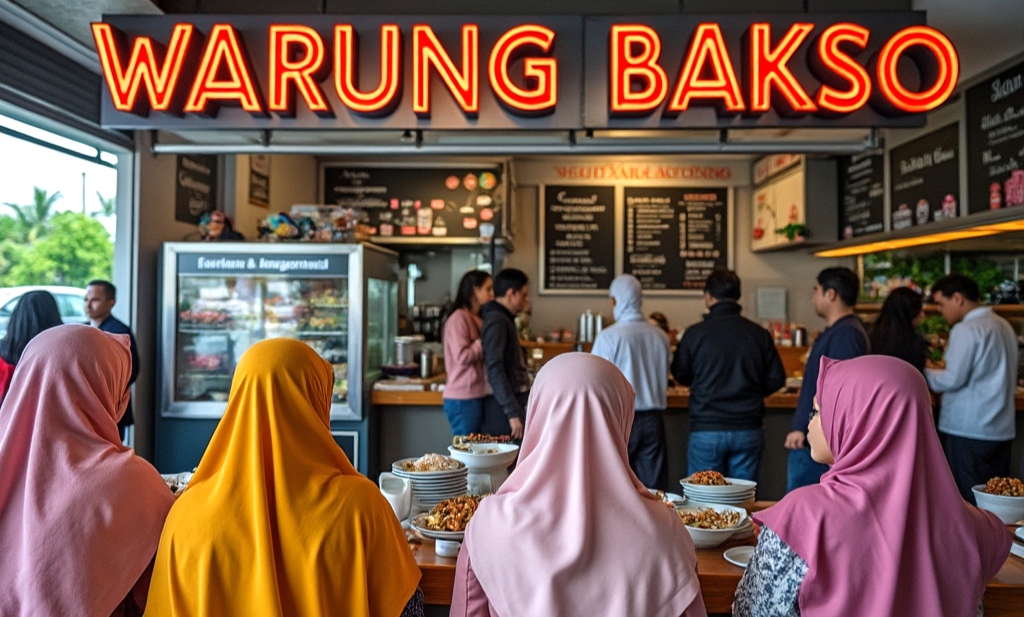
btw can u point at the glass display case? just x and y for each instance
(219, 300)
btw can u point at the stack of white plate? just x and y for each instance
(432, 487)
(734, 493)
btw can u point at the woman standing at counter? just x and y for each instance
(886, 531)
(894, 332)
(467, 386)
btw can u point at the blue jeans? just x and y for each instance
(734, 454)
(465, 415)
(802, 470)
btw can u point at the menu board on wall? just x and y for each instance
(995, 142)
(195, 187)
(577, 240)
(420, 203)
(674, 237)
(861, 195)
(925, 177)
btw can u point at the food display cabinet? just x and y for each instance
(217, 300)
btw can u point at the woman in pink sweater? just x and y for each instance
(467, 386)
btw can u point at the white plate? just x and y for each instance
(396, 467)
(1019, 533)
(739, 555)
(735, 487)
(672, 497)
(417, 523)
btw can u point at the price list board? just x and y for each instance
(577, 238)
(925, 177)
(674, 237)
(995, 142)
(861, 195)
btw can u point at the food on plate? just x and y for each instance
(453, 514)
(204, 318)
(1008, 487)
(462, 442)
(663, 496)
(708, 478)
(431, 462)
(206, 362)
(708, 518)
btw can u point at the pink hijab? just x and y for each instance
(572, 531)
(886, 532)
(80, 514)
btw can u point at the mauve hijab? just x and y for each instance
(80, 514)
(572, 531)
(886, 532)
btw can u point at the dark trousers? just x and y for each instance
(647, 449)
(975, 461)
(495, 422)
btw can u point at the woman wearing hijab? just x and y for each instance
(467, 387)
(572, 531)
(80, 514)
(894, 333)
(36, 311)
(886, 531)
(276, 522)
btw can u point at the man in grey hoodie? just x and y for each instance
(641, 351)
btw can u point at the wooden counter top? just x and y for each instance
(678, 398)
(1004, 594)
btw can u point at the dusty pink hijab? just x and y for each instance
(572, 531)
(80, 514)
(886, 532)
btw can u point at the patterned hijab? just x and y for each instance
(276, 519)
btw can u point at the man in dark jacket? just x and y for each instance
(100, 298)
(505, 410)
(730, 364)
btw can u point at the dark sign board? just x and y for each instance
(521, 72)
(925, 176)
(259, 180)
(861, 195)
(675, 237)
(995, 142)
(421, 202)
(578, 238)
(195, 187)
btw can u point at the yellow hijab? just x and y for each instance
(276, 522)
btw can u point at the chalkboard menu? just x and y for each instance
(925, 179)
(675, 237)
(420, 203)
(861, 195)
(195, 187)
(995, 142)
(577, 238)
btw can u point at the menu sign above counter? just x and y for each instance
(675, 237)
(421, 205)
(861, 195)
(577, 238)
(925, 178)
(995, 142)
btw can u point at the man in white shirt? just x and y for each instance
(976, 421)
(641, 351)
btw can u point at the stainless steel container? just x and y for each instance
(800, 337)
(426, 363)
(406, 348)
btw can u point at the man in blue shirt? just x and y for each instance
(834, 297)
(100, 298)
(978, 383)
(641, 351)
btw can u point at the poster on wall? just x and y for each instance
(675, 236)
(195, 187)
(925, 176)
(861, 195)
(777, 203)
(417, 204)
(259, 180)
(995, 142)
(577, 239)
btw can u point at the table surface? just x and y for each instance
(1004, 596)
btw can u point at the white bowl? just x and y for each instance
(483, 457)
(709, 538)
(1008, 509)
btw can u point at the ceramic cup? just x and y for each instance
(398, 492)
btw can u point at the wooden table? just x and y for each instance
(1004, 596)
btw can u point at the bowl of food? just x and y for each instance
(711, 524)
(485, 456)
(448, 519)
(1003, 497)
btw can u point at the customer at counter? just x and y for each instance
(572, 531)
(641, 351)
(894, 332)
(80, 514)
(978, 384)
(885, 532)
(466, 387)
(835, 295)
(505, 410)
(276, 521)
(36, 311)
(730, 364)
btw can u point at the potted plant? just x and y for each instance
(794, 232)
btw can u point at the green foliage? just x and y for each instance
(33, 219)
(76, 250)
(107, 206)
(985, 272)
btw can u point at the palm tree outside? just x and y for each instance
(35, 217)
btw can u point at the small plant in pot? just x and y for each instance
(794, 232)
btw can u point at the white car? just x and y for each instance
(70, 302)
